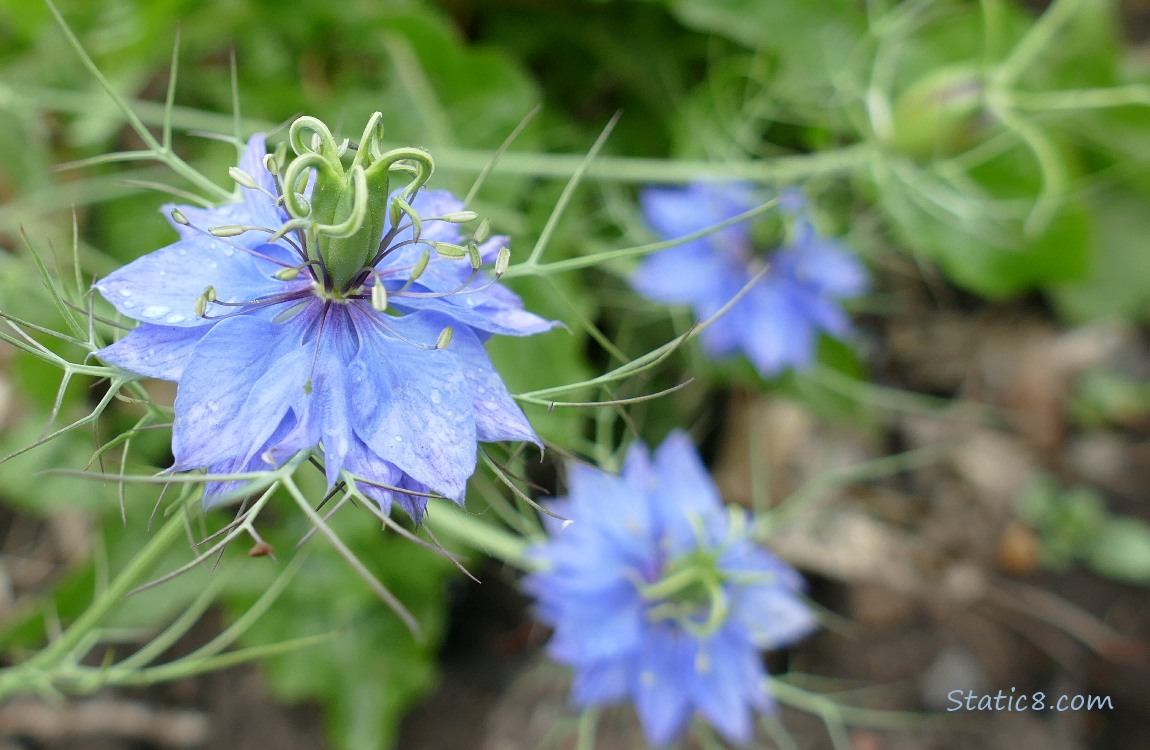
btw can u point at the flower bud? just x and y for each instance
(938, 114)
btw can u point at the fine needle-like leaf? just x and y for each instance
(354, 562)
(569, 192)
(490, 165)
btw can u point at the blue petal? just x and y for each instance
(823, 313)
(728, 681)
(213, 491)
(497, 416)
(772, 615)
(429, 204)
(824, 265)
(661, 683)
(330, 404)
(488, 311)
(777, 336)
(685, 498)
(385, 483)
(415, 403)
(247, 374)
(725, 334)
(156, 351)
(162, 286)
(254, 208)
(690, 273)
(605, 624)
(675, 212)
(602, 682)
(382, 478)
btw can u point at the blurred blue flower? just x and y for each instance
(269, 365)
(658, 595)
(777, 322)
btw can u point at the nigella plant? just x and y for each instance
(778, 320)
(326, 308)
(658, 595)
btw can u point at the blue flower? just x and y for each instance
(658, 595)
(777, 322)
(274, 354)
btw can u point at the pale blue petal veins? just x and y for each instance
(244, 378)
(482, 311)
(497, 416)
(155, 351)
(162, 286)
(259, 461)
(414, 404)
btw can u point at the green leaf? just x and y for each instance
(369, 674)
(1122, 550)
(975, 227)
(1116, 283)
(813, 41)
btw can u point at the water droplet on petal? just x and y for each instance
(228, 251)
(399, 438)
(435, 397)
(129, 305)
(175, 318)
(155, 311)
(125, 292)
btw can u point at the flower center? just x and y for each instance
(691, 592)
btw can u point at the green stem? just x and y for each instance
(776, 170)
(140, 564)
(1037, 40)
(450, 521)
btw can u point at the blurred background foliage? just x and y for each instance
(998, 148)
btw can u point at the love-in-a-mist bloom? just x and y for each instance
(658, 595)
(778, 320)
(335, 304)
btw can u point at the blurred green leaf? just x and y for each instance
(1122, 550)
(1103, 398)
(1117, 281)
(368, 675)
